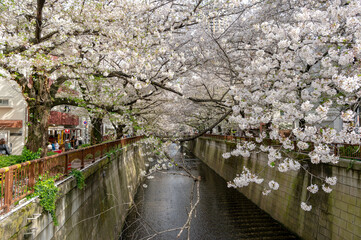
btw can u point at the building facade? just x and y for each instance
(13, 115)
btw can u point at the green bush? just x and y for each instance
(47, 191)
(6, 161)
(29, 155)
(349, 151)
(51, 153)
(79, 177)
(84, 145)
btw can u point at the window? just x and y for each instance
(4, 102)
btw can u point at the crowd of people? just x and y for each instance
(71, 144)
(53, 146)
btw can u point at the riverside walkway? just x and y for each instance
(223, 213)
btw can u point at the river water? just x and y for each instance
(222, 213)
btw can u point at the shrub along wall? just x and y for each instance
(97, 211)
(334, 216)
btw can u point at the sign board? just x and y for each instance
(85, 122)
(67, 131)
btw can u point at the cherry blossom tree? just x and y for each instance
(163, 65)
(291, 66)
(43, 44)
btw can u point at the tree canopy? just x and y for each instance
(165, 66)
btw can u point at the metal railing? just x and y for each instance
(17, 181)
(348, 151)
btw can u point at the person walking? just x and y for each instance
(50, 147)
(4, 149)
(67, 145)
(72, 141)
(76, 143)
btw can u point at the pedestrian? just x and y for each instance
(56, 145)
(76, 143)
(4, 149)
(50, 147)
(72, 141)
(67, 145)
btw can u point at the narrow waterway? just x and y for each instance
(222, 213)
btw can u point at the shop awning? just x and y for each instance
(11, 123)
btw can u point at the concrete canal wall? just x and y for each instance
(334, 216)
(95, 212)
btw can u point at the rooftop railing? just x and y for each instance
(17, 181)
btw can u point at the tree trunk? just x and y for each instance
(38, 128)
(39, 99)
(96, 131)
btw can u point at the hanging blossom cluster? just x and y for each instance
(313, 188)
(322, 153)
(289, 164)
(156, 156)
(243, 150)
(244, 179)
(326, 186)
(306, 207)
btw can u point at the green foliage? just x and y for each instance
(79, 177)
(112, 151)
(84, 145)
(6, 161)
(29, 155)
(349, 151)
(47, 191)
(109, 154)
(51, 153)
(88, 156)
(350, 165)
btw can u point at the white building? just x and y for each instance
(13, 116)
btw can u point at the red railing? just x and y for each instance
(349, 151)
(17, 181)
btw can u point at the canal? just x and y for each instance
(222, 213)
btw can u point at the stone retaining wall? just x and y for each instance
(334, 216)
(96, 212)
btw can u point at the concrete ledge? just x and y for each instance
(96, 212)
